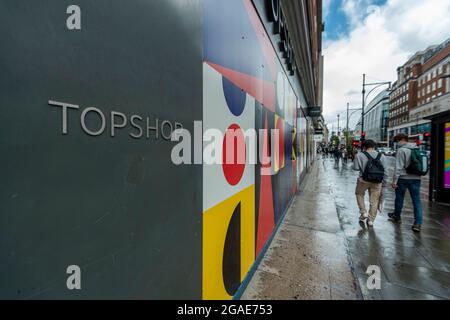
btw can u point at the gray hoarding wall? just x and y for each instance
(80, 190)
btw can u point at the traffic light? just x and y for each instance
(363, 136)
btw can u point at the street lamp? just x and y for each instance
(364, 97)
(348, 118)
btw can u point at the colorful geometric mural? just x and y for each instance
(447, 157)
(244, 87)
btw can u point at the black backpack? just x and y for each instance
(374, 171)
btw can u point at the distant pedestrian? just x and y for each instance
(352, 154)
(406, 178)
(337, 156)
(344, 155)
(372, 167)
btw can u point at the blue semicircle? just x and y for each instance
(235, 97)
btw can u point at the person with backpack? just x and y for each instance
(410, 165)
(372, 175)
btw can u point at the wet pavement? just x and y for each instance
(322, 252)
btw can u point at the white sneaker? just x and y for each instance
(370, 223)
(362, 217)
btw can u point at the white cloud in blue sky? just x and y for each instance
(374, 37)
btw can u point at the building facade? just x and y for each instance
(376, 118)
(88, 176)
(419, 92)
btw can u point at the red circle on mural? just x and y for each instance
(233, 154)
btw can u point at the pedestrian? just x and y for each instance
(344, 155)
(404, 180)
(337, 156)
(352, 154)
(372, 167)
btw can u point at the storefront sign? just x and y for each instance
(139, 127)
(276, 16)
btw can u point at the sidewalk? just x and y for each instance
(321, 252)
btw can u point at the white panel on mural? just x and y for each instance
(217, 115)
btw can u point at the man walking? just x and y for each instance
(337, 156)
(406, 181)
(372, 173)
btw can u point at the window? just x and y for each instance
(440, 83)
(428, 89)
(418, 94)
(434, 73)
(440, 70)
(423, 92)
(433, 86)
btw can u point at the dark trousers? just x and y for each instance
(414, 190)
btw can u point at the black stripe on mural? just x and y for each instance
(232, 253)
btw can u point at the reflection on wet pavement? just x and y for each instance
(414, 266)
(322, 252)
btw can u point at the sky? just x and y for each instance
(374, 37)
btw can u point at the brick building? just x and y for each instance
(420, 91)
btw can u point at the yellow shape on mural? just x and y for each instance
(294, 142)
(215, 226)
(279, 156)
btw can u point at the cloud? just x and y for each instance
(357, 10)
(381, 39)
(326, 4)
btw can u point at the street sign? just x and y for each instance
(318, 137)
(314, 112)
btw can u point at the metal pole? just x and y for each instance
(339, 131)
(347, 134)
(363, 105)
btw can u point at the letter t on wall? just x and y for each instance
(64, 107)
